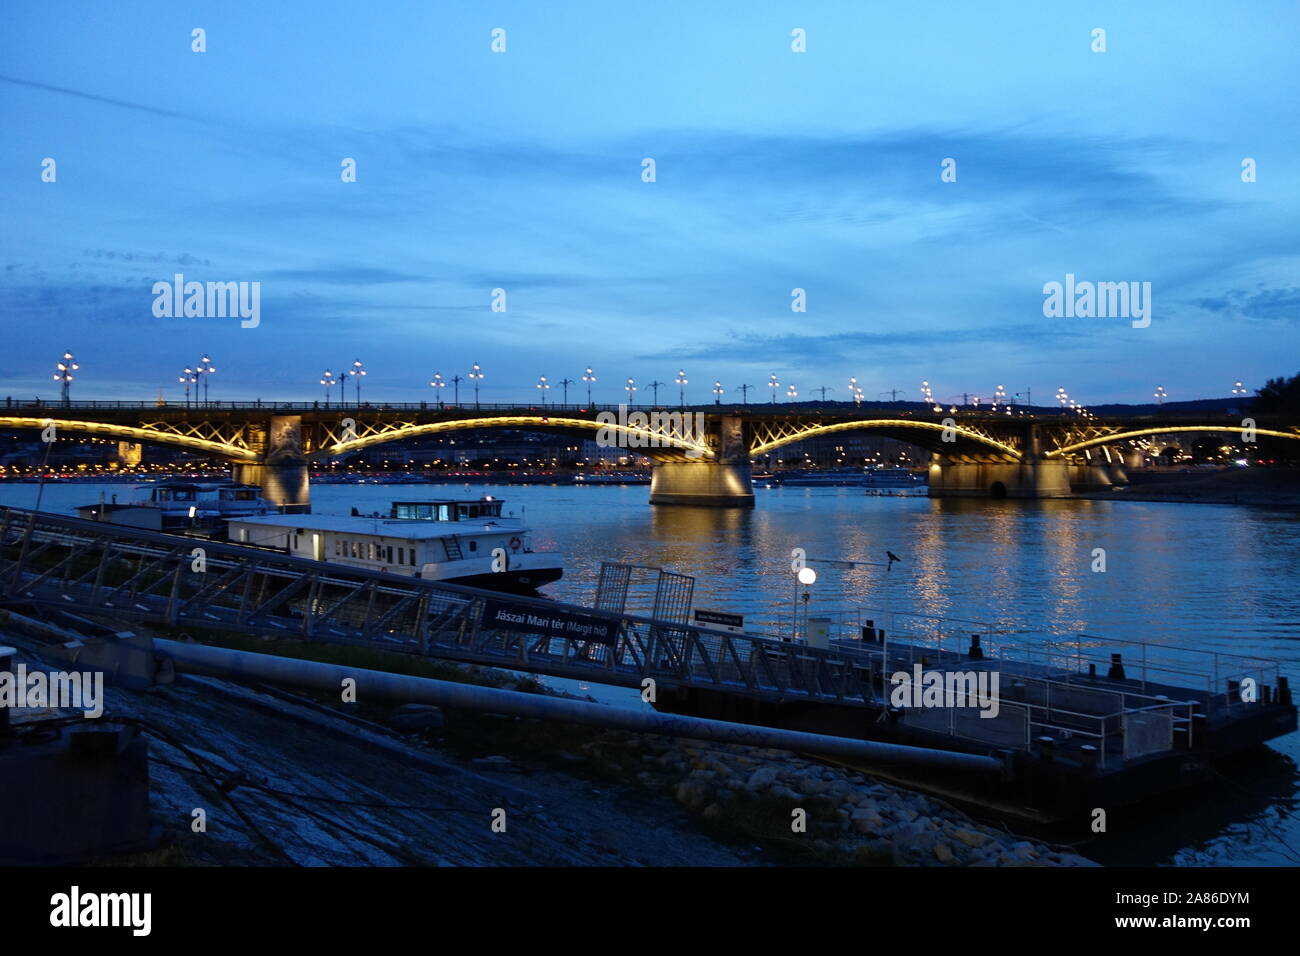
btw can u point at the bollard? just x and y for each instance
(1116, 671)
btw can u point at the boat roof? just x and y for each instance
(408, 528)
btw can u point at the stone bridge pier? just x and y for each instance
(722, 481)
(1034, 476)
(282, 473)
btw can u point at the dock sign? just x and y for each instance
(720, 620)
(549, 622)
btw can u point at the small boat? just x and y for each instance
(182, 507)
(889, 480)
(459, 541)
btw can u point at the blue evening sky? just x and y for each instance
(776, 170)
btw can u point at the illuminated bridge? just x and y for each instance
(701, 454)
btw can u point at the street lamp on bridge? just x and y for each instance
(358, 372)
(189, 378)
(681, 383)
(773, 384)
(438, 385)
(476, 375)
(565, 383)
(1063, 397)
(1160, 394)
(588, 376)
(206, 369)
(329, 381)
(65, 367)
(654, 391)
(1238, 388)
(542, 386)
(744, 393)
(630, 387)
(717, 392)
(791, 393)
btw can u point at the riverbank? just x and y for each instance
(334, 784)
(1275, 487)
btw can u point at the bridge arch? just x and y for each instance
(1164, 430)
(901, 429)
(151, 435)
(678, 439)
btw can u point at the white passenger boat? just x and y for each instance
(185, 507)
(459, 541)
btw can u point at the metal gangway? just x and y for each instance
(195, 584)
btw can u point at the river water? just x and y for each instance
(1211, 577)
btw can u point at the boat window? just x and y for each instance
(338, 549)
(444, 512)
(401, 555)
(412, 557)
(354, 549)
(473, 545)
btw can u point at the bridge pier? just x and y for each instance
(285, 485)
(722, 481)
(282, 474)
(1044, 478)
(711, 484)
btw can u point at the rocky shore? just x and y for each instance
(850, 818)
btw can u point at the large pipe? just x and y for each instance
(246, 665)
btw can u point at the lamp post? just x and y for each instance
(773, 384)
(1238, 388)
(807, 577)
(542, 386)
(65, 367)
(565, 383)
(654, 391)
(476, 375)
(206, 369)
(1160, 394)
(358, 372)
(857, 397)
(717, 392)
(329, 381)
(455, 391)
(1063, 397)
(681, 383)
(630, 387)
(999, 397)
(189, 378)
(588, 376)
(437, 384)
(744, 393)
(791, 393)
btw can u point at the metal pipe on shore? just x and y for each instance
(247, 665)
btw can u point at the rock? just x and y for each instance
(692, 793)
(761, 779)
(712, 812)
(971, 838)
(417, 717)
(497, 763)
(944, 853)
